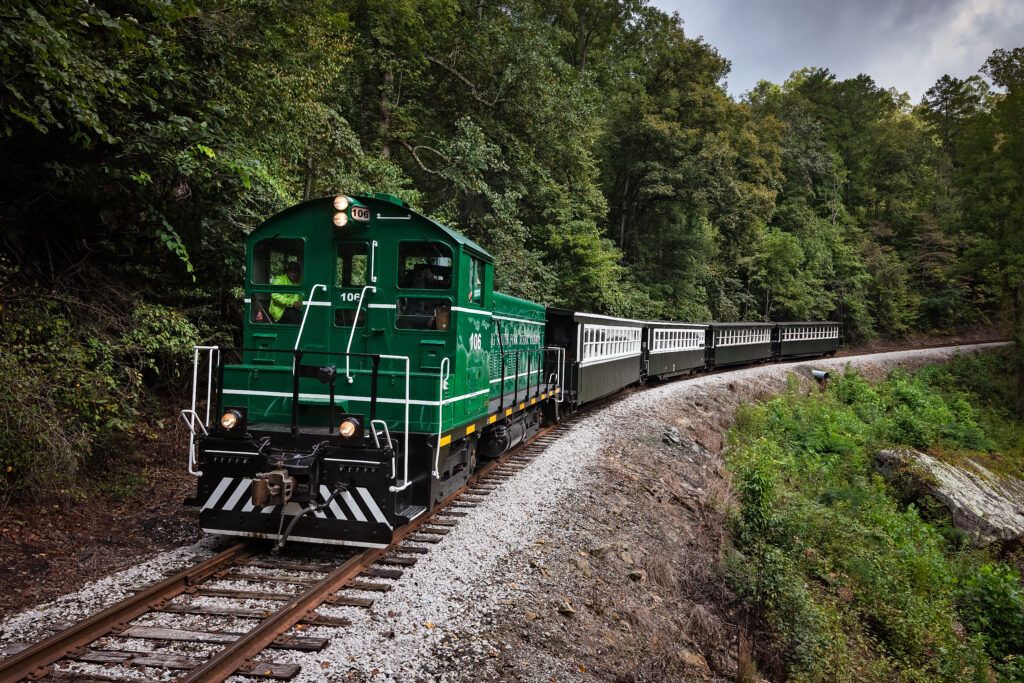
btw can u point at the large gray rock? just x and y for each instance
(987, 506)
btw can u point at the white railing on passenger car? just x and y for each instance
(560, 355)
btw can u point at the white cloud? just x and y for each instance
(907, 44)
(957, 43)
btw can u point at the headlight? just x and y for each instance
(230, 419)
(341, 202)
(340, 219)
(348, 428)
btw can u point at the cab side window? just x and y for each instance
(271, 259)
(277, 262)
(424, 265)
(422, 313)
(344, 317)
(476, 281)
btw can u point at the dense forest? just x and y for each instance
(591, 145)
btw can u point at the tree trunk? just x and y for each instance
(384, 123)
(307, 188)
(622, 216)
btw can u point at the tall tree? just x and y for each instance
(950, 103)
(992, 181)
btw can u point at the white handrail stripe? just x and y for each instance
(352, 332)
(442, 384)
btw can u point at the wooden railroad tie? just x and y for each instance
(349, 601)
(267, 578)
(381, 573)
(262, 669)
(419, 538)
(313, 619)
(302, 643)
(420, 550)
(286, 565)
(373, 586)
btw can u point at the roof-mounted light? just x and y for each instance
(340, 219)
(341, 202)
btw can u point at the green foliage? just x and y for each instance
(79, 377)
(590, 145)
(853, 582)
(609, 146)
(992, 604)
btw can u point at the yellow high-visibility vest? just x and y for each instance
(279, 301)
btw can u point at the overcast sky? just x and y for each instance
(903, 43)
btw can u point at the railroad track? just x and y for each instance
(248, 651)
(318, 583)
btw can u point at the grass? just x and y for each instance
(849, 579)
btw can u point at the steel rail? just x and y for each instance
(34, 660)
(223, 664)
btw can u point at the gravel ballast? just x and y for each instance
(445, 618)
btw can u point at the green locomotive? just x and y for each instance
(377, 363)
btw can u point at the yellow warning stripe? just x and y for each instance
(491, 419)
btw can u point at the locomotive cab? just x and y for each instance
(366, 339)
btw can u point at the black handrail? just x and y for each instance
(501, 349)
(515, 385)
(529, 363)
(297, 356)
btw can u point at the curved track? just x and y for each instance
(272, 631)
(275, 629)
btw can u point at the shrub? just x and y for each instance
(992, 604)
(852, 580)
(76, 377)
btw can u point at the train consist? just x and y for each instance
(378, 365)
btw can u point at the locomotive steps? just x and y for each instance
(526, 581)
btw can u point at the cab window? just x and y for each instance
(423, 313)
(424, 265)
(476, 281)
(352, 267)
(278, 308)
(271, 258)
(343, 317)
